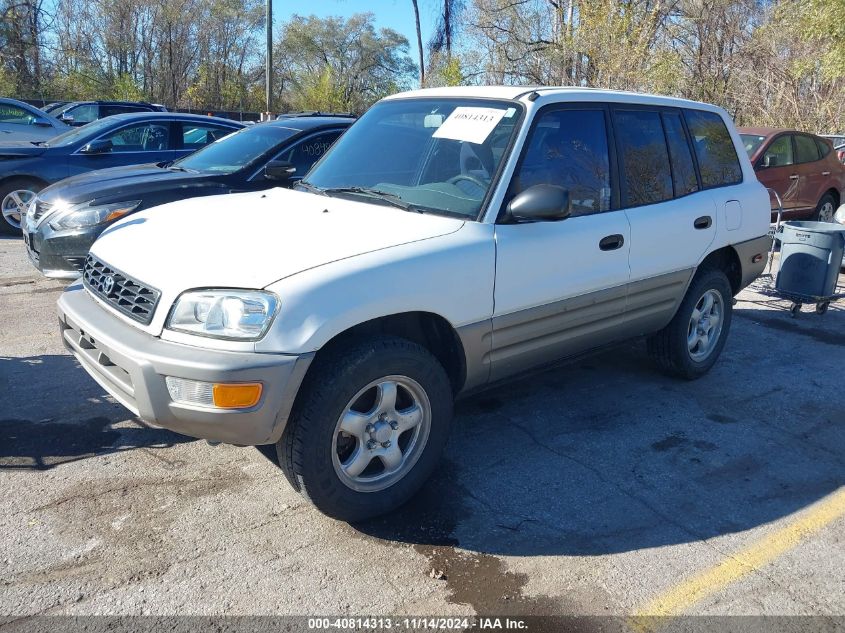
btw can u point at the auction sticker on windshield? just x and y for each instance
(470, 124)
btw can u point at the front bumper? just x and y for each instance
(58, 254)
(131, 365)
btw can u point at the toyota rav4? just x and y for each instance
(452, 238)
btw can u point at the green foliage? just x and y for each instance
(124, 88)
(319, 91)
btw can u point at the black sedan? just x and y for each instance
(67, 217)
(26, 167)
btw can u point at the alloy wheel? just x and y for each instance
(705, 325)
(15, 205)
(826, 212)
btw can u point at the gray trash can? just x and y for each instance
(810, 257)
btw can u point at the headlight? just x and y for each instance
(84, 215)
(840, 215)
(230, 314)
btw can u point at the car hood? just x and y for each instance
(15, 149)
(120, 184)
(250, 240)
(29, 133)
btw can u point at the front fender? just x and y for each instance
(451, 276)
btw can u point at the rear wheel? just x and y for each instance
(368, 428)
(826, 208)
(15, 196)
(690, 345)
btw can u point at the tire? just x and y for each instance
(352, 382)
(10, 224)
(825, 209)
(671, 347)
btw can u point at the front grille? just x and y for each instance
(122, 292)
(41, 209)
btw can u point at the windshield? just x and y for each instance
(751, 142)
(438, 155)
(78, 133)
(237, 150)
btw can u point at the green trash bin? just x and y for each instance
(810, 257)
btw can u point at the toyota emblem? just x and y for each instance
(107, 285)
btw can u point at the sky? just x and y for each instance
(394, 14)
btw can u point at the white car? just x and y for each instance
(450, 239)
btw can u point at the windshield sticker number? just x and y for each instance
(470, 124)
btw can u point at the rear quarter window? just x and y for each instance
(714, 148)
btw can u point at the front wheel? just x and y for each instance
(690, 345)
(368, 428)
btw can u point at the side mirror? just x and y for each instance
(279, 170)
(41, 122)
(540, 203)
(66, 118)
(99, 146)
(770, 160)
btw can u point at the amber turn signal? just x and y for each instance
(236, 396)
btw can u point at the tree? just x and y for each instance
(348, 59)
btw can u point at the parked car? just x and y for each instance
(55, 105)
(78, 113)
(123, 139)
(835, 139)
(20, 121)
(67, 217)
(451, 238)
(802, 168)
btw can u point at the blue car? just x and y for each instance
(20, 121)
(26, 167)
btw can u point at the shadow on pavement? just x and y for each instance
(607, 455)
(52, 413)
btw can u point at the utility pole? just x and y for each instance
(268, 96)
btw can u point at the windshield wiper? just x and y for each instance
(44, 143)
(390, 198)
(310, 188)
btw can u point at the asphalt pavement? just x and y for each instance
(599, 487)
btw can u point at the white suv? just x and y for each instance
(450, 239)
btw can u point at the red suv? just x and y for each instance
(801, 167)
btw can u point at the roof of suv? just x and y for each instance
(578, 94)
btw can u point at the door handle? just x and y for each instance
(611, 242)
(704, 222)
(794, 177)
(825, 173)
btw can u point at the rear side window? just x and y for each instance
(805, 149)
(680, 155)
(568, 148)
(717, 159)
(644, 157)
(824, 148)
